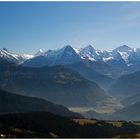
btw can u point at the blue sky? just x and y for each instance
(26, 27)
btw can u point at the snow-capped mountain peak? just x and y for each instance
(90, 53)
(5, 50)
(13, 57)
(5, 54)
(68, 47)
(125, 51)
(123, 55)
(123, 48)
(89, 48)
(63, 56)
(69, 50)
(40, 52)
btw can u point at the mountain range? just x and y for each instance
(122, 53)
(13, 57)
(123, 56)
(57, 84)
(122, 59)
(75, 77)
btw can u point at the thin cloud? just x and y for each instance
(130, 12)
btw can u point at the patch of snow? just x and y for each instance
(124, 55)
(40, 52)
(107, 59)
(136, 49)
(27, 56)
(12, 57)
(77, 50)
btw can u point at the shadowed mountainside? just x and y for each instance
(13, 103)
(57, 84)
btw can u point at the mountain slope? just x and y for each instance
(115, 61)
(63, 56)
(129, 113)
(89, 53)
(88, 71)
(126, 85)
(122, 60)
(57, 84)
(12, 57)
(13, 103)
(131, 100)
